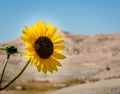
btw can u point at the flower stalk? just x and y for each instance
(10, 50)
(3, 71)
(16, 76)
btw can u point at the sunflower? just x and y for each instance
(43, 46)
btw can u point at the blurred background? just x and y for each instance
(91, 29)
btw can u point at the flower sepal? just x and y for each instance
(10, 49)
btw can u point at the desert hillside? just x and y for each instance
(88, 57)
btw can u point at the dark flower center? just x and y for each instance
(43, 47)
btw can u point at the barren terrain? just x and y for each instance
(89, 57)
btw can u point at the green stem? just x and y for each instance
(16, 76)
(3, 71)
(2, 48)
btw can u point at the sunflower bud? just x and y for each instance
(11, 49)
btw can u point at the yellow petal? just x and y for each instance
(29, 46)
(44, 69)
(32, 60)
(50, 25)
(30, 32)
(58, 55)
(58, 50)
(38, 24)
(34, 32)
(26, 39)
(49, 67)
(53, 65)
(39, 67)
(59, 47)
(58, 41)
(46, 66)
(54, 61)
(43, 28)
(49, 28)
(56, 38)
(28, 55)
(27, 31)
(53, 31)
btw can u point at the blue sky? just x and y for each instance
(74, 16)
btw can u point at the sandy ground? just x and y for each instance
(101, 87)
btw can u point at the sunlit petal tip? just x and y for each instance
(38, 22)
(49, 67)
(43, 23)
(50, 24)
(58, 64)
(21, 37)
(23, 31)
(32, 27)
(55, 69)
(26, 27)
(52, 71)
(39, 69)
(45, 71)
(55, 28)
